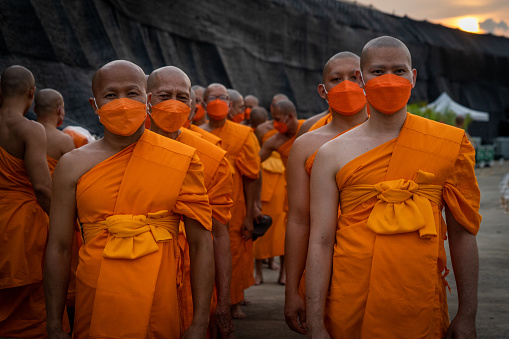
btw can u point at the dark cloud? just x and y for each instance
(490, 25)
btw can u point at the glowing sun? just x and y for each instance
(469, 24)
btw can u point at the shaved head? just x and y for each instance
(16, 81)
(251, 101)
(215, 88)
(258, 115)
(192, 95)
(234, 95)
(278, 97)
(167, 74)
(121, 71)
(332, 61)
(383, 42)
(47, 101)
(198, 92)
(285, 107)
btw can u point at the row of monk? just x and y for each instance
(149, 233)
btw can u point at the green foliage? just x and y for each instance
(449, 117)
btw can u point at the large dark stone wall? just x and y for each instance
(259, 47)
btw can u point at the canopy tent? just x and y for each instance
(444, 103)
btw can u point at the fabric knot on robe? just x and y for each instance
(134, 236)
(403, 206)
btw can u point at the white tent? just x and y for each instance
(444, 103)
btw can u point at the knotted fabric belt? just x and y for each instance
(403, 206)
(134, 236)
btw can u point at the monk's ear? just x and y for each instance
(414, 73)
(321, 91)
(31, 92)
(358, 78)
(93, 104)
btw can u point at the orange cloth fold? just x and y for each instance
(78, 138)
(206, 135)
(390, 284)
(136, 297)
(322, 122)
(242, 150)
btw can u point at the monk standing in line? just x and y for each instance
(25, 198)
(347, 104)
(258, 116)
(205, 135)
(129, 191)
(378, 271)
(200, 117)
(242, 150)
(170, 108)
(251, 102)
(237, 108)
(268, 125)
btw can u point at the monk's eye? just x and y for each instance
(399, 71)
(378, 72)
(183, 98)
(132, 94)
(109, 95)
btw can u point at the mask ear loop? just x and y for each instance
(325, 89)
(95, 103)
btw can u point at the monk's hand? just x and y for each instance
(222, 320)
(462, 327)
(295, 313)
(247, 228)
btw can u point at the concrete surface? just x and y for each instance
(265, 314)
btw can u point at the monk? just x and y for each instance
(268, 125)
(348, 107)
(378, 271)
(200, 117)
(258, 116)
(272, 198)
(50, 111)
(25, 198)
(315, 122)
(237, 108)
(251, 102)
(205, 135)
(121, 187)
(171, 105)
(242, 150)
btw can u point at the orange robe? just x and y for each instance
(389, 262)
(284, 149)
(273, 196)
(219, 184)
(322, 122)
(24, 230)
(206, 135)
(242, 150)
(79, 139)
(127, 275)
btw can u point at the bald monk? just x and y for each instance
(347, 104)
(258, 116)
(127, 277)
(237, 107)
(170, 107)
(200, 117)
(268, 125)
(242, 150)
(49, 108)
(378, 271)
(205, 135)
(273, 194)
(25, 197)
(251, 102)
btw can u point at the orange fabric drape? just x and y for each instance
(242, 150)
(79, 139)
(322, 122)
(389, 282)
(127, 274)
(206, 135)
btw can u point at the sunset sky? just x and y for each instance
(480, 16)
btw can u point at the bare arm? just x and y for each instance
(266, 149)
(297, 238)
(202, 274)
(250, 194)
(37, 164)
(58, 251)
(324, 201)
(223, 265)
(465, 263)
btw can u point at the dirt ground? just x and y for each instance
(265, 314)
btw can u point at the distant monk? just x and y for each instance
(130, 187)
(268, 125)
(171, 105)
(347, 104)
(272, 199)
(199, 117)
(378, 270)
(258, 116)
(242, 150)
(237, 108)
(206, 135)
(25, 197)
(251, 102)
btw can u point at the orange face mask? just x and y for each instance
(238, 118)
(200, 112)
(217, 109)
(170, 115)
(187, 123)
(247, 113)
(346, 98)
(388, 93)
(122, 116)
(281, 127)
